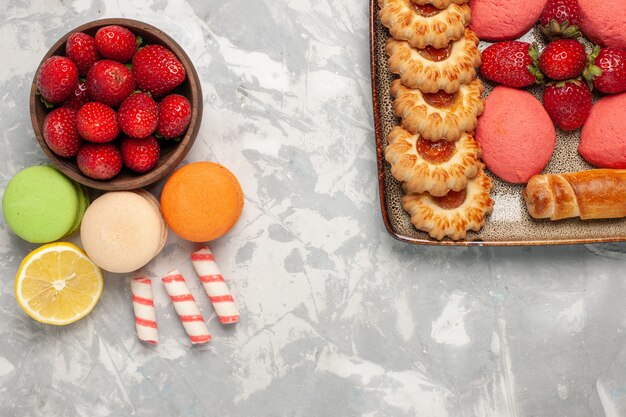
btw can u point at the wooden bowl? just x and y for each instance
(172, 153)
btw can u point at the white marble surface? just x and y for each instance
(338, 319)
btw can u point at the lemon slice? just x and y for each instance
(58, 284)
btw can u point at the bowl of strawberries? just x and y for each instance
(116, 104)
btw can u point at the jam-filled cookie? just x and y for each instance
(424, 25)
(431, 69)
(433, 167)
(440, 4)
(453, 214)
(439, 115)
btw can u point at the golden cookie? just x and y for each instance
(454, 214)
(424, 25)
(440, 4)
(439, 115)
(433, 167)
(431, 69)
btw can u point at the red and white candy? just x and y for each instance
(186, 307)
(214, 285)
(143, 305)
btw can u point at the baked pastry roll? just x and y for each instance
(440, 115)
(433, 167)
(440, 4)
(432, 69)
(453, 214)
(424, 25)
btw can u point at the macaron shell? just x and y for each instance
(157, 207)
(40, 204)
(202, 201)
(83, 203)
(121, 231)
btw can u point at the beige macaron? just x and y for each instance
(122, 231)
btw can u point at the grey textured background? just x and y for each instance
(338, 319)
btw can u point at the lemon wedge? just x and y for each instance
(58, 284)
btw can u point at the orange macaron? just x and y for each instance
(201, 201)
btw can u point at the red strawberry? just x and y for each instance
(560, 19)
(100, 161)
(97, 122)
(174, 116)
(116, 43)
(109, 82)
(79, 98)
(57, 79)
(511, 63)
(138, 115)
(568, 103)
(607, 69)
(59, 132)
(563, 59)
(157, 70)
(140, 154)
(81, 48)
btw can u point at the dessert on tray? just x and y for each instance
(499, 20)
(455, 213)
(430, 69)
(516, 134)
(438, 99)
(424, 25)
(438, 116)
(594, 194)
(603, 139)
(440, 4)
(604, 21)
(433, 167)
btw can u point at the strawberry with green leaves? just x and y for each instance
(607, 69)
(568, 103)
(560, 19)
(563, 59)
(511, 63)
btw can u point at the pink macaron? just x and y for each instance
(603, 139)
(497, 20)
(516, 135)
(604, 22)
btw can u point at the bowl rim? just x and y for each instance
(181, 149)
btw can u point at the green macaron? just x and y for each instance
(41, 205)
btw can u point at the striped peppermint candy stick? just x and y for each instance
(214, 285)
(143, 304)
(186, 307)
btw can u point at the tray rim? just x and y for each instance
(380, 160)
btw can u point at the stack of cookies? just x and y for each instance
(438, 98)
